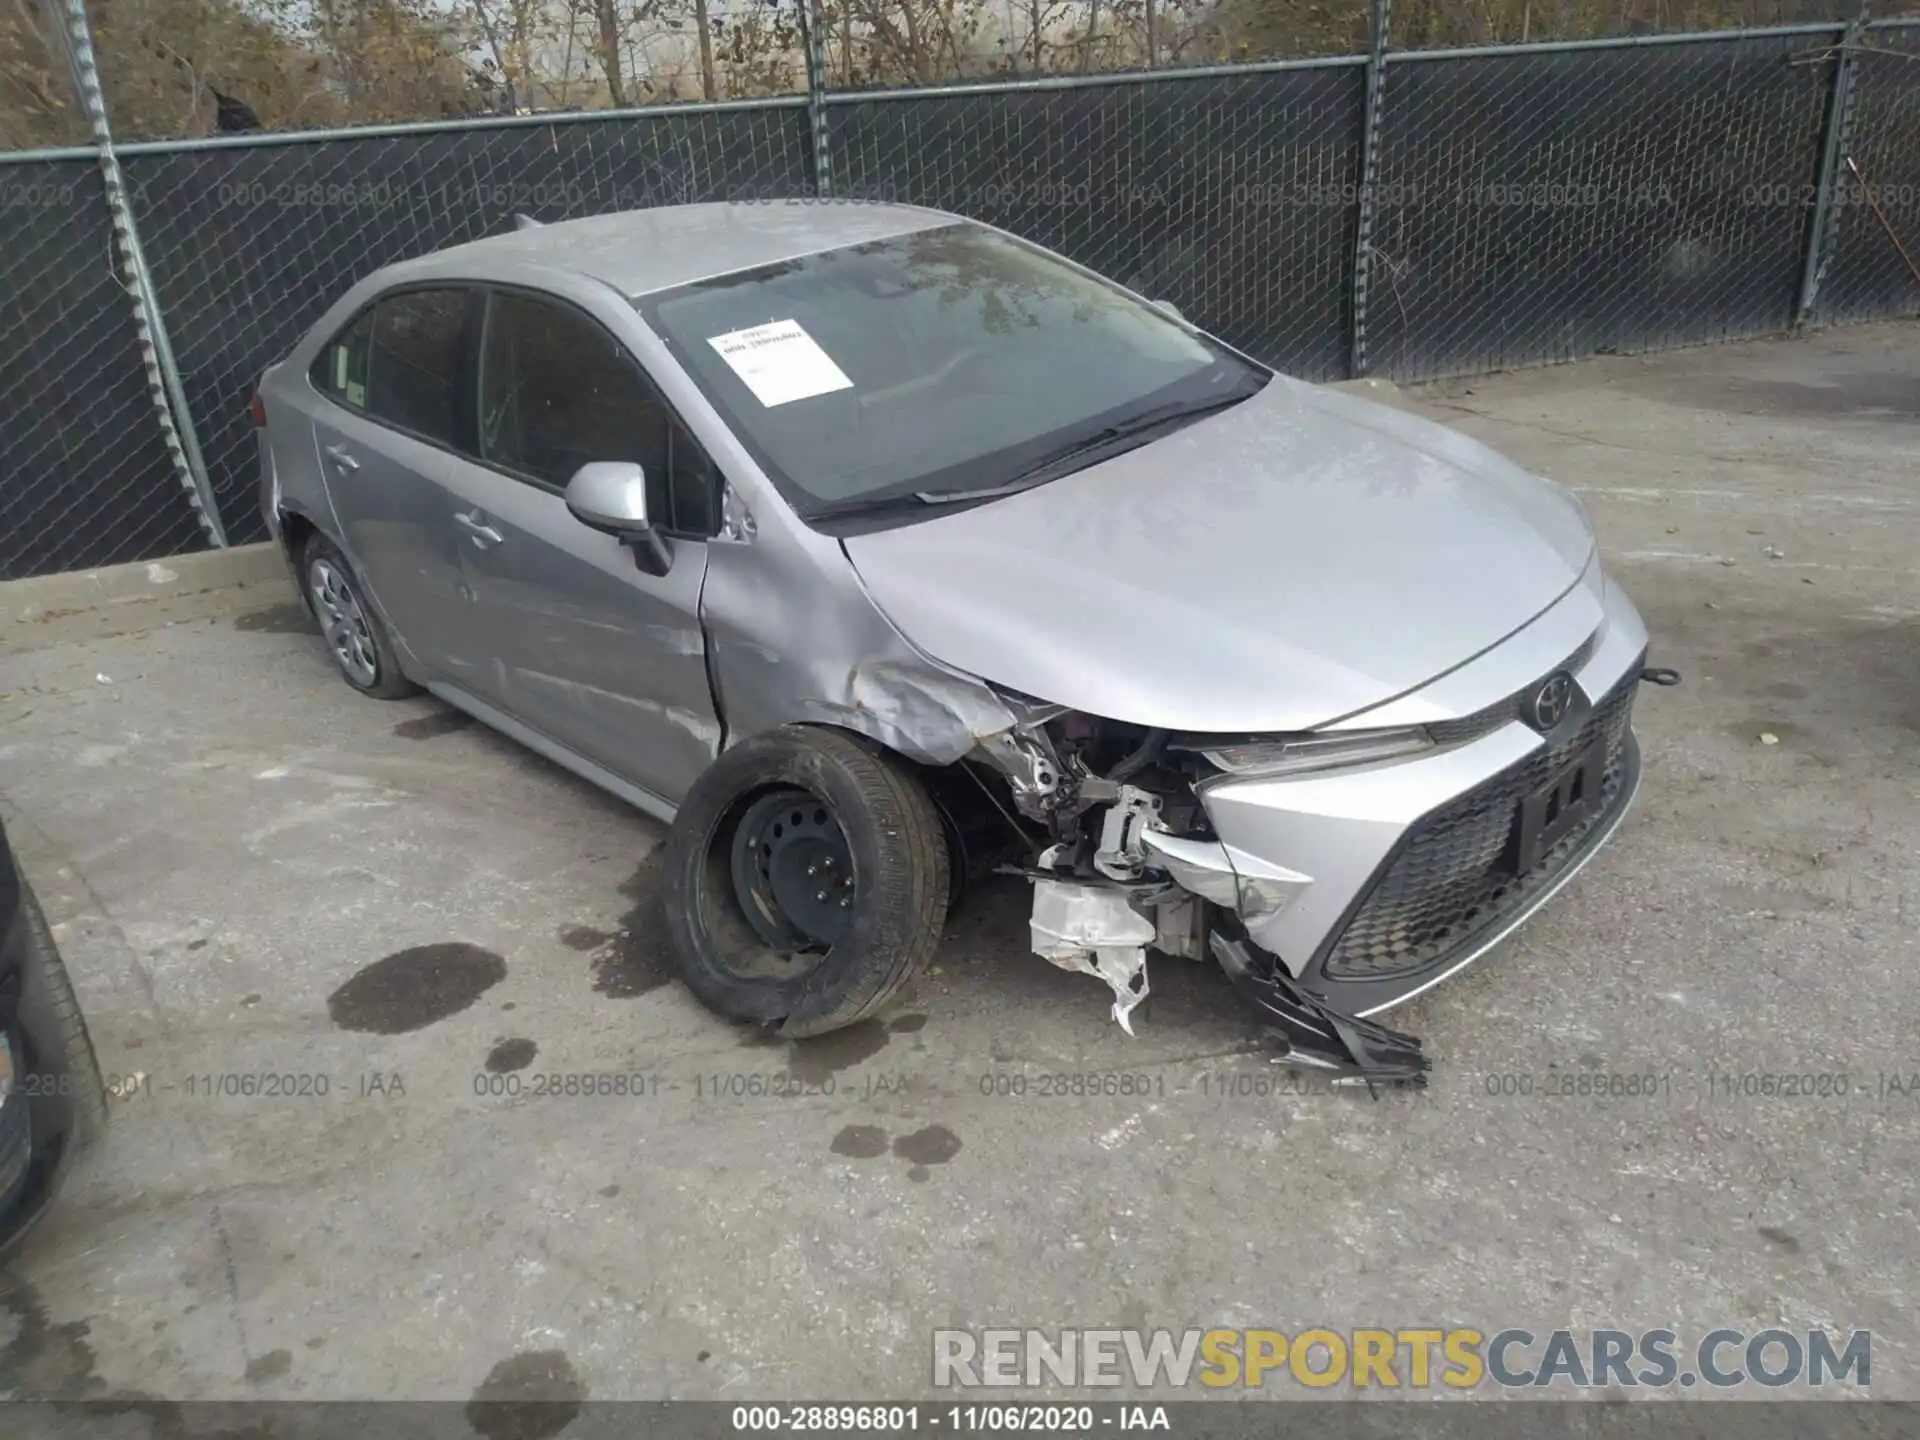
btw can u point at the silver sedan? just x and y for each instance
(876, 549)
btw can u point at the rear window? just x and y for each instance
(400, 362)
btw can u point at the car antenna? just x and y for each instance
(525, 222)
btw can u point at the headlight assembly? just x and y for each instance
(1300, 754)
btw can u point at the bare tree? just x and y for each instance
(704, 24)
(606, 14)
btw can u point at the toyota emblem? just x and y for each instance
(1548, 705)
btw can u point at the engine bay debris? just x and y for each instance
(1096, 931)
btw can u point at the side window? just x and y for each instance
(558, 391)
(400, 361)
(694, 482)
(341, 370)
(414, 361)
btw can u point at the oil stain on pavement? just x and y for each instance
(292, 618)
(924, 1148)
(860, 1142)
(529, 1396)
(431, 727)
(935, 1145)
(515, 1054)
(814, 1061)
(270, 1366)
(411, 989)
(38, 1359)
(634, 960)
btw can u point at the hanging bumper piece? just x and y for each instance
(1349, 1050)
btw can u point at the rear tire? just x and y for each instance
(735, 962)
(356, 636)
(86, 1090)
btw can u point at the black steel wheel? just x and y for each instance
(806, 880)
(793, 871)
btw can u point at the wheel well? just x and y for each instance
(976, 813)
(295, 531)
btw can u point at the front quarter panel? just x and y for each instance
(794, 639)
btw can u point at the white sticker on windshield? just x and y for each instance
(780, 362)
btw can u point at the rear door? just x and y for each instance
(589, 649)
(395, 377)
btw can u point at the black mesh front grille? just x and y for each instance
(1451, 878)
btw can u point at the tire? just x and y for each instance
(88, 1092)
(356, 635)
(897, 905)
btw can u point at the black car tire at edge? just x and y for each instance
(86, 1091)
(899, 855)
(389, 683)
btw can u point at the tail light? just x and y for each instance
(257, 411)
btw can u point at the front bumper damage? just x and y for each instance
(1329, 897)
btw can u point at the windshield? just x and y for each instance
(936, 365)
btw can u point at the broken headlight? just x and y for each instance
(1296, 755)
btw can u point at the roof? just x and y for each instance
(639, 251)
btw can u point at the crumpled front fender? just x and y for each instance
(794, 638)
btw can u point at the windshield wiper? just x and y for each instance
(1078, 455)
(879, 504)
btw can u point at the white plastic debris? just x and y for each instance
(1767, 737)
(1095, 931)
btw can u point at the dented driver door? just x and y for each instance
(587, 647)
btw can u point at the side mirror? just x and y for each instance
(1170, 308)
(611, 495)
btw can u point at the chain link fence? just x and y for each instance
(1874, 255)
(85, 476)
(1528, 204)
(249, 243)
(1547, 206)
(1230, 195)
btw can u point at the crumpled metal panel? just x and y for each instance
(795, 640)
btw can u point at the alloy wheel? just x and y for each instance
(343, 620)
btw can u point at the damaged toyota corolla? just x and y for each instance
(876, 549)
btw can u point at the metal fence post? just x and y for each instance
(817, 98)
(1380, 15)
(1838, 139)
(156, 354)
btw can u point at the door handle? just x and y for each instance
(483, 534)
(342, 457)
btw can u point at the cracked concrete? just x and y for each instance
(415, 926)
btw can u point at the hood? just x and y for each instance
(1288, 562)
